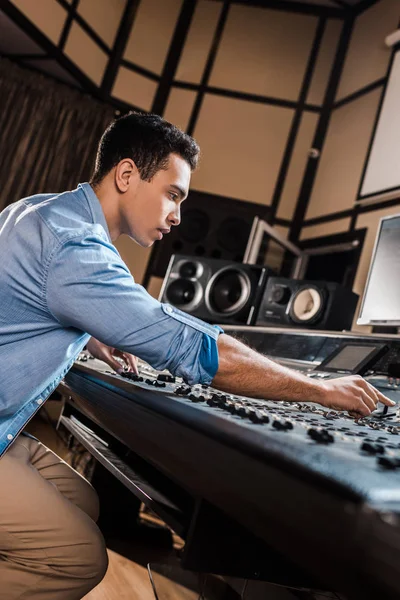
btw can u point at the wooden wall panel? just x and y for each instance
(264, 52)
(179, 107)
(152, 33)
(343, 156)
(104, 16)
(133, 88)
(86, 54)
(367, 57)
(48, 16)
(242, 147)
(314, 231)
(298, 163)
(198, 42)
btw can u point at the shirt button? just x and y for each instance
(10, 437)
(39, 400)
(169, 309)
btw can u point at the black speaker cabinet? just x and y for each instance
(307, 304)
(211, 226)
(217, 291)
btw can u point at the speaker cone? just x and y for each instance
(306, 305)
(181, 292)
(227, 291)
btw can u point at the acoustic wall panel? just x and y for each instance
(367, 58)
(48, 16)
(152, 33)
(198, 41)
(242, 145)
(369, 220)
(104, 16)
(264, 52)
(86, 54)
(323, 229)
(179, 107)
(343, 156)
(134, 88)
(324, 64)
(298, 163)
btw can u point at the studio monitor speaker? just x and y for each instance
(211, 226)
(217, 291)
(307, 304)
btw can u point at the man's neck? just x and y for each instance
(108, 198)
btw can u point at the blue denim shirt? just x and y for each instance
(62, 281)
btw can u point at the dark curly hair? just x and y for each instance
(148, 140)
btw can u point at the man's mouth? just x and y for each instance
(162, 232)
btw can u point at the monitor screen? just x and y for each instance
(348, 358)
(381, 300)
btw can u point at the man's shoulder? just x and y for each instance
(65, 214)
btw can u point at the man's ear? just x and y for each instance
(126, 174)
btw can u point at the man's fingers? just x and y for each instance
(112, 362)
(129, 360)
(385, 400)
(369, 400)
(361, 409)
(376, 394)
(133, 363)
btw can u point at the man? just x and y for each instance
(64, 285)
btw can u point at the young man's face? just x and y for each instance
(151, 209)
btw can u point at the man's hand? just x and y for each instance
(109, 355)
(353, 394)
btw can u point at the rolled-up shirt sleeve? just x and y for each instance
(90, 288)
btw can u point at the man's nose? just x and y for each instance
(175, 217)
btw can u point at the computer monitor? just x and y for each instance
(381, 300)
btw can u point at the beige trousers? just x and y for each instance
(50, 546)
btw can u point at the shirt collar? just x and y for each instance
(94, 207)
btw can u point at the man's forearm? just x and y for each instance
(246, 372)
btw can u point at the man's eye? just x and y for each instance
(173, 196)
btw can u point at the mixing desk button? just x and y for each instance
(372, 448)
(258, 417)
(393, 430)
(321, 436)
(183, 390)
(131, 376)
(243, 411)
(388, 463)
(166, 378)
(282, 425)
(194, 398)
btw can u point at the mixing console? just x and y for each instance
(373, 441)
(318, 487)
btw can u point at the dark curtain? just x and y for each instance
(48, 134)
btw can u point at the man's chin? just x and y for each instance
(143, 243)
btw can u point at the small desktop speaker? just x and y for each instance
(308, 304)
(215, 290)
